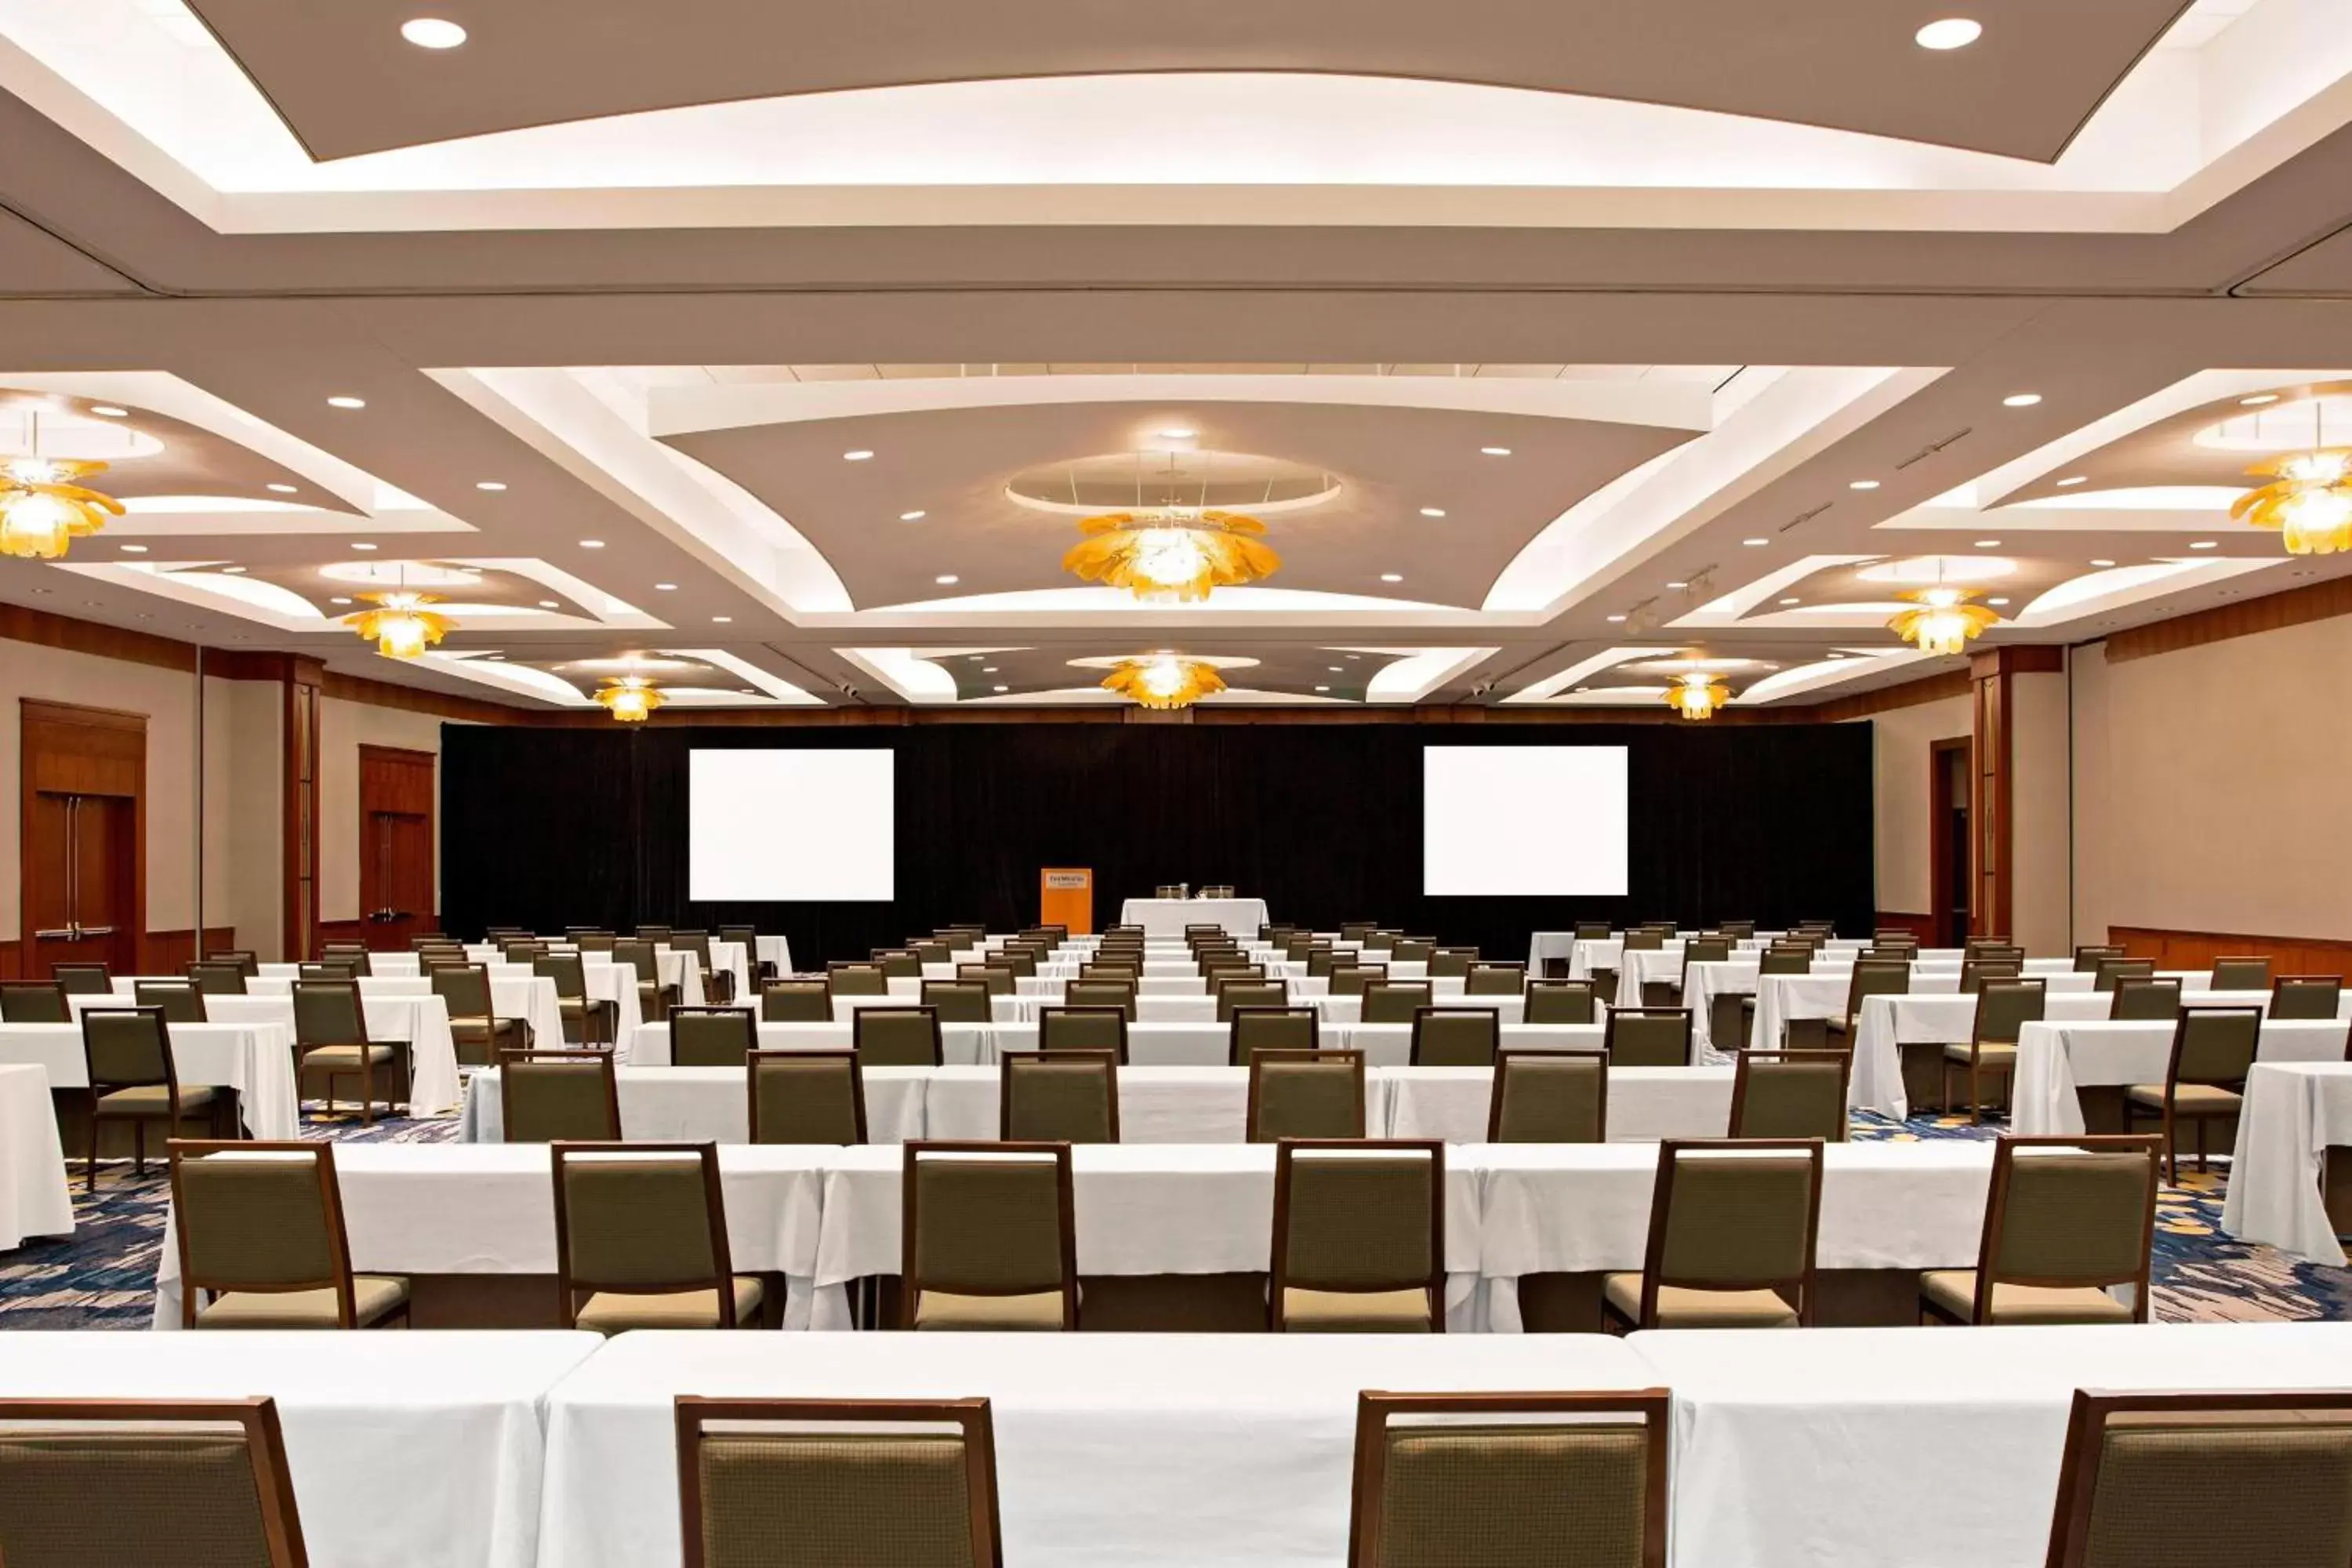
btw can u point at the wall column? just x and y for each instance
(304, 676)
(2019, 753)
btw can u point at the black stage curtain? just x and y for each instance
(545, 829)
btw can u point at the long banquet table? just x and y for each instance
(34, 1197)
(257, 1060)
(421, 1021)
(1169, 917)
(2055, 1061)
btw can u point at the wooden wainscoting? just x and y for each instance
(160, 953)
(2198, 949)
(1921, 926)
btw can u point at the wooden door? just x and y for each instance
(396, 892)
(82, 887)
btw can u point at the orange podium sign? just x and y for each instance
(1066, 897)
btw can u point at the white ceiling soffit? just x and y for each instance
(1804, 679)
(2198, 117)
(281, 609)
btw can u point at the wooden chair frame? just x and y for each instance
(1422, 1014)
(568, 1286)
(1739, 1072)
(603, 1063)
(1285, 1157)
(2171, 1115)
(1082, 1011)
(330, 1193)
(1006, 1072)
(1281, 1054)
(1609, 1026)
(1654, 1251)
(2004, 1159)
(932, 1014)
(1506, 1060)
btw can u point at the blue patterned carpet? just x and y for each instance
(103, 1278)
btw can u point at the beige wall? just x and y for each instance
(2042, 797)
(2209, 785)
(1901, 737)
(245, 884)
(343, 729)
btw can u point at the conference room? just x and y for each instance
(1267, 790)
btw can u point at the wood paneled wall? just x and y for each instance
(159, 951)
(2198, 949)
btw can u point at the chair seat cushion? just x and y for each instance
(151, 1099)
(1994, 1051)
(614, 1311)
(1037, 1309)
(1355, 1311)
(373, 1297)
(1683, 1307)
(341, 1056)
(2188, 1098)
(1954, 1291)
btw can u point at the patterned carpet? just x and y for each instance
(103, 1278)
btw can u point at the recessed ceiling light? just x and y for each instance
(2071, 480)
(948, 581)
(1678, 584)
(494, 655)
(859, 456)
(1951, 33)
(1335, 669)
(1988, 544)
(1791, 601)
(547, 604)
(108, 411)
(233, 571)
(1432, 512)
(339, 601)
(2020, 400)
(592, 545)
(363, 545)
(722, 620)
(1322, 688)
(341, 401)
(916, 516)
(1863, 485)
(1995, 601)
(1615, 619)
(283, 490)
(1178, 434)
(1755, 543)
(1496, 451)
(988, 670)
(1837, 656)
(748, 692)
(2258, 400)
(432, 33)
(1003, 688)
(488, 485)
(2102, 562)
(135, 550)
(2200, 544)
(1392, 576)
(665, 587)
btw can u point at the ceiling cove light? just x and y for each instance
(488, 485)
(859, 456)
(2258, 400)
(1392, 576)
(915, 516)
(108, 411)
(1432, 512)
(1170, 554)
(432, 33)
(1951, 33)
(630, 699)
(1495, 451)
(1697, 695)
(1164, 682)
(2071, 480)
(284, 489)
(1863, 485)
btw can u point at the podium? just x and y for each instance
(1066, 897)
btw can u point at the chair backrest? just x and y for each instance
(245, 958)
(1233, 994)
(180, 1000)
(2307, 996)
(1394, 1001)
(1064, 1096)
(2005, 1006)
(146, 1481)
(258, 1216)
(1412, 952)
(712, 1037)
(697, 943)
(328, 1013)
(957, 1001)
(1888, 953)
(912, 1482)
(1975, 972)
(463, 989)
(82, 979)
(553, 1095)
(1253, 1029)
(1455, 1036)
(1561, 1002)
(327, 969)
(1021, 961)
(2070, 1211)
(987, 1219)
(2111, 970)
(1593, 931)
(1067, 1028)
(1876, 977)
(1550, 1097)
(33, 1001)
(745, 937)
(2242, 973)
(569, 975)
(898, 962)
(847, 979)
(931, 952)
(1358, 1216)
(2273, 1479)
(1119, 993)
(2141, 998)
(1647, 1036)
(998, 977)
(641, 1218)
(127, 1048)
(1734, 1214)
(2088, 956)
(1451, 963)
(1644, 941)
(796, 1002)
(2215, 1046)
(659, 934)
(1786, 958)
(805, 1097)
(1304, 1094)
(1571, 1480)
(1351, 979)
(353, 955)
(1486, 978)
(1791, 1094)
(522, 950)
(897, 1036)
(217, 979)
(1706, 949)
(596, 941)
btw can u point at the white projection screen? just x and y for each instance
(1523, 821)
(790, 827)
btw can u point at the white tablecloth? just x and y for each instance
(1645, 1103)
(963, 1045)
(1348, 1009)
(1390, 1045)
(1169, 917)
(34, 1197)
(711, 1105)
(1140, 1450)
(2293, 1112)
(1149, 1009)
(254, 1059)
(2055, 1060)
(1894, 1448)
(420, 1019)
(775, 950)
(1889, 1022)
(406, 1450)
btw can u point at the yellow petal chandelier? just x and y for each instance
(1164, 681)
(1173, 554)
(2309, 499)
(44, 508)
(630, 699)
(1697, 695)
(401, 626)
(1944, 622)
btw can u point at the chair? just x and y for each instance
(1871, 977)
(1452, 963)
(2307, 996)
(757, 969)
(843, 978)
(599, 942)
(326, 969)
(998, 977)
(1550, 1097)
(1304, 1094)
(82, 979)
(525, 950)
(1594, 930)
(796, 1002)
(1888, 953)
(2067, 1218)
(1732, 1232)
(1562, 1480)
(1700, 950)
(1351, 979)
(659, 935)
(1233, 994)
(2111, 970)
(1254, 1029)
(957, 1001)
(331, 1036)
(33, 1001)
(1647, 1036)
(2088, 956)
(559, 1097)
(805, 1097)
(859, 1483)
(712, 1037)
(1644, 941)
(899, 964)
(127, 1057)
(1786, 958)
(223, 979)
(2205, 1477)
(988, 1237)
(1410, 951)
(2213, 1049)
(1359, 1237)
(1455, 1036)
(639, 955)
(260, 1231)
(2242, 975)
(1394, 1001)
(1560, 1001)
(1020, 960)
(1791, 1094)
(1062, 1096)
(1975, 972)
(897, 1037)
(2003, 1009)
(475, 1027)
(1975, 946)
(931, 952)
(1321, 961)
(353, 954)
(641, 1239)
(1067, 1028)
(1490, 979)
(1357, 931)
(586, 1023)
(245, 958)
(2145, 1000)
(180, 1000)
(146, 1481)
(1119, 993)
